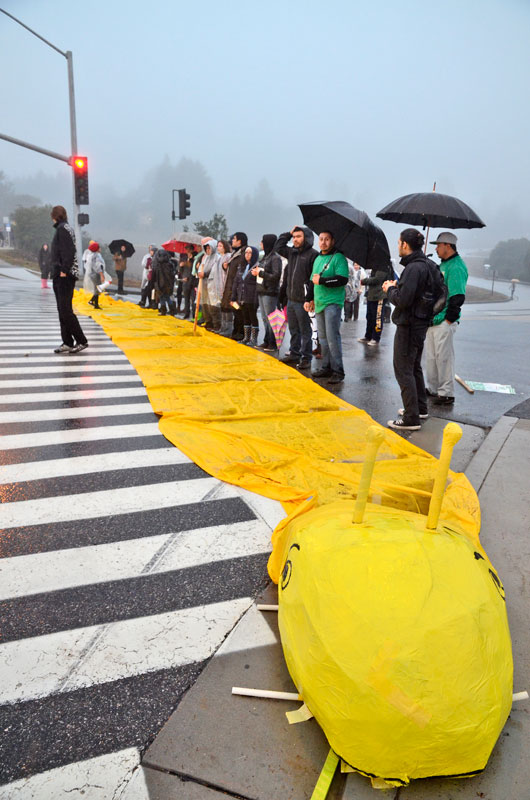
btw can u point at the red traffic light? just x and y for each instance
(80, 163)
(80, 166)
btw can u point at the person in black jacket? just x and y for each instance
(295, 290)
(411, 328)
(65, 271)
(236, 260)
(268, 273)
(244, 296)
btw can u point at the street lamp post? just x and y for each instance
(73, 129)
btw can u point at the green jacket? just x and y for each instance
(334, 274)
(454, 271)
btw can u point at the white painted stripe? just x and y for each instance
(82, 394)
(41, 415)
(91, 360)
(70, 660)
(105, 348)
(62, 569)
(83, 380)
(106, 502)
(65, 366)
(104, 776)
(84, 465)
(45, 438)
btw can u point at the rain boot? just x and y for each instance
(246, 339)
(43, 283)
(254, 337)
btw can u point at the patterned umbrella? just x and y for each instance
(278, 323)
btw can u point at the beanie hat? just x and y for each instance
(93, 246)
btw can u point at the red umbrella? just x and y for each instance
(174, 246)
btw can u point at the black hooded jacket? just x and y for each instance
(296, 283)
(244, 287)
(409, 291)
(63, 255)
(237, 258)
(270, 268)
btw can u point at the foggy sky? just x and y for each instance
(360, 101)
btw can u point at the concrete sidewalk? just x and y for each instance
(218, 745)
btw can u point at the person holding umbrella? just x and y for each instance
(412, 322)
(121, 250)
(329, 276)
(439, 343)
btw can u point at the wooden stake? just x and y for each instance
(459, 380)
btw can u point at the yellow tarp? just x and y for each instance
(250, 420)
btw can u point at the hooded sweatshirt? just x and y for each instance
(296, 282)
(270, 268)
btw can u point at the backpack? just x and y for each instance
(434, 295)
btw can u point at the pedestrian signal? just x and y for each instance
(184, 204)
(80, 165)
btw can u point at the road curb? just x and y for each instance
(484, 458)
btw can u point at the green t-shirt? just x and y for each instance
(329, 266)
(454, 271)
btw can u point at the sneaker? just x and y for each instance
(290, 359)
(321, 373)
(401, 411)
(78, 348)
(443, 401)
(269, 348)
(401, 425)
(363, 340)
(336, 377)
(372, 343)
(304, 363)
(64, 348)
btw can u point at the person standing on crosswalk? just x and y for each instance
(65, 271)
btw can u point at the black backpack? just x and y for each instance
(435, 293)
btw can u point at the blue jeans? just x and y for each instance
(267, 304)
(328, 324)
(300, 330)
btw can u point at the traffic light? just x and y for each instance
(184, 204)
(80, 165)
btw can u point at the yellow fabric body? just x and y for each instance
(250, 420)
(399, 647)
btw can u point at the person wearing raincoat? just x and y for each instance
(210, 271)
(95, 267)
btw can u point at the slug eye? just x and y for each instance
(288, 569)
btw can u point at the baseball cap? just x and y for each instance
(446, 238)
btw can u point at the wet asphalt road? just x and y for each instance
(490, 345)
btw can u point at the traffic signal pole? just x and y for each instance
(73, 141)
(73, 130)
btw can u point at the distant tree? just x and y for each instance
(217, 227)
(511, 259)
(11, 199)
(33, 227)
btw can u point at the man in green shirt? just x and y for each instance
(439, 345)
(329, 276)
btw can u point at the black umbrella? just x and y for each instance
(431, 210)
(116, 245)
(354, 232)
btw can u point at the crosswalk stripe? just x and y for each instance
(124, 649)
(145, 595)
(74, 413)
(88, 722)
(76, 395)
(103, 503)
(84, 381)
(66, 366)
(80, 435)
(64, 569)
(50, 452)
(82, 465)
(45, 359)
(70, 535)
